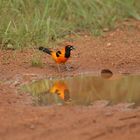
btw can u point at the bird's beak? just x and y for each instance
(73, 48)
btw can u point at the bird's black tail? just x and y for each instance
(46, 50)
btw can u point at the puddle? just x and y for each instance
(85, 90)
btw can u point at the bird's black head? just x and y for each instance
(68, 49)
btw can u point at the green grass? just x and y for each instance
(27, 23)
(36, 61)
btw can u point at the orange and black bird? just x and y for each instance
(61, 56)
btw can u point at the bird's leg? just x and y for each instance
(58, 67)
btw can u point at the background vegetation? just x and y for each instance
(26, 23)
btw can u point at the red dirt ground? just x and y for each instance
(118, 50)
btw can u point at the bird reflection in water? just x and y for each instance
(47, 92)
(60, 88)
(57, 93)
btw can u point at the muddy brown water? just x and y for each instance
(85, 90)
